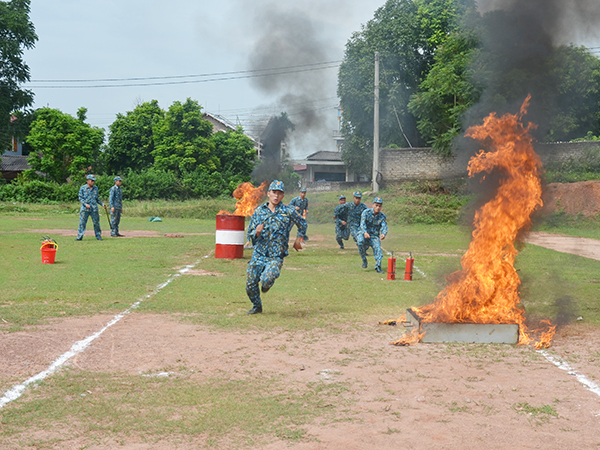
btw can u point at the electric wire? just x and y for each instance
(215, 77)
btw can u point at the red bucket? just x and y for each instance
(230, 237)
(49, 253)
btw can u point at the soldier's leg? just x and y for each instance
(96, 221)
(362, 244)
(117, 220)
(113, 216)
(346, 233)
(377, 253)
(338, 236)
(83, 218)
(253, 272)
(270, 274)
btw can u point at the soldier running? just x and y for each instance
(373, 229)
(340, 214)
(269, 232)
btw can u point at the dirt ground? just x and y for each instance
(425, 396)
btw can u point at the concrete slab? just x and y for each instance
(477, 333)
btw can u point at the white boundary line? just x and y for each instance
(16, 391)
(564, 366)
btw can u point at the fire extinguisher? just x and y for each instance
(391, 267)
(410, 262)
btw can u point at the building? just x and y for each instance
(322, 166)
(13, 162)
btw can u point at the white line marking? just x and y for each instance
(581, 378)
(420, 271)
(16, 391)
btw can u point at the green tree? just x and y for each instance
(16, 34)
(576, 100)
(131, 139)
(182, 140)
(407, 34)
(236, 154)
(446, 93)
(64, 147)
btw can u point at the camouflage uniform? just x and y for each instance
(340, 214)
(302, 206)
(375, 225)
(354, 214)
(115, 200)
(270, 247)
(90, 197)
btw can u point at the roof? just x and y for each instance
(13, 163)
(218, 120)
(325, 156)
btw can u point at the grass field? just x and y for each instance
(321, 289)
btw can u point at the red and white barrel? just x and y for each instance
(230, 237)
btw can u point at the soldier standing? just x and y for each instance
(269, 232)
(355, 211)
(300, 204)
(373, 229)
(115, 202)
(340, 214)
(88, 196)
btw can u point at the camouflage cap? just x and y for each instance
(117, 179)
(303, 190)
(277, 185)
(91, 177)
(358, 194)
(342, 197)
(378, 200)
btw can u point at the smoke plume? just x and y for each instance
(291, 38)
(520, 39)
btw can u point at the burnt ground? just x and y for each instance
(426, 396)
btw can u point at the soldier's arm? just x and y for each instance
(384, 228)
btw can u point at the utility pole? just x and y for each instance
(376, 127)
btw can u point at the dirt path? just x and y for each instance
(588, 248)
(428, 396)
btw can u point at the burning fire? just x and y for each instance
(248, 199)
(486, 290)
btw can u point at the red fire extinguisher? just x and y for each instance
(408, 271)
(391, 267)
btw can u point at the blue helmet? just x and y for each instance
(277, 185)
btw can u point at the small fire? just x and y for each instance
(486, 290)
(248, 199)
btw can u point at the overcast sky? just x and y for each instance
(121, 39)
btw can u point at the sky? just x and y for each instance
(162, 43)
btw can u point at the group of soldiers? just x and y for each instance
(368, 226)
(271, 223)
(89, 197)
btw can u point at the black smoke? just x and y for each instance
(520, 41)
(273, 152)
(292, 39)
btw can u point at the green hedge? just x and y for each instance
(147, 185)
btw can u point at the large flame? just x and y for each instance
(486, 290)
(248, 199)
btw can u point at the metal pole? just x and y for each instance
(376, 127)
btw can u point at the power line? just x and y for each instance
(217, 77)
